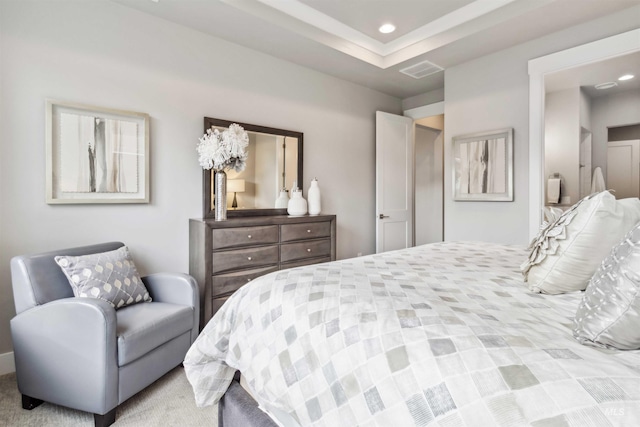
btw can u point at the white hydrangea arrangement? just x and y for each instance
(225, 150)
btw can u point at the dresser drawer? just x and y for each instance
(302, 262)
(245, 258)
(243, 236)
(302, 250)
(230, 282)
(308, 230)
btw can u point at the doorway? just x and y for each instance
(409, 178)
(429, 180)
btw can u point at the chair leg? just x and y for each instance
(106, 419)
(29, 402)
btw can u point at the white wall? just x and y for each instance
(101, 53)
(562, 140)
(492, 92)
(617, 109)
(487, 94)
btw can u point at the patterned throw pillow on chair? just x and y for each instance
(110, 276)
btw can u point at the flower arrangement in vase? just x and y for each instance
(221, 151)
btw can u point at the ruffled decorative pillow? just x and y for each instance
(609, 314)
(568, 251)
(110, 276)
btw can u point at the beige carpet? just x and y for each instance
(167, 402)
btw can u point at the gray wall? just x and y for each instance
(617, 109)
(492, 92)
(103, 54)
(423, 99)
(562, 140)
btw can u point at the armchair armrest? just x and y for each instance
(73, 342)
(175, 288)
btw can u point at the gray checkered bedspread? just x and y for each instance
(443, 335)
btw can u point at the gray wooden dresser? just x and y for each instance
(224, 255)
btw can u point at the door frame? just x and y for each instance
(422, 112)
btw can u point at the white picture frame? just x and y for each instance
(95, 154)
(483, 166)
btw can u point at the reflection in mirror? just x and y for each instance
(542, 67)
(582, 152)
(274, 163)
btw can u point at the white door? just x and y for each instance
(394, 182)
(623, 169)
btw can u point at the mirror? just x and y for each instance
(274, 163)
(610, 47)
(581, 123)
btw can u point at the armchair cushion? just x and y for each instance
(110, 276)
(143, 327)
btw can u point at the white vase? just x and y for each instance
(282, 202)
(313, 197)
(297, 204)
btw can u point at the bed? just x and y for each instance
(441, 334)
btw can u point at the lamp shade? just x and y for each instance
(235, 185)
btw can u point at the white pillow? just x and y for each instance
(609, 314)
(567, 253)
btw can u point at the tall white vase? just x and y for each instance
(313, 198)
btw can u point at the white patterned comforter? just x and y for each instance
(443, 334)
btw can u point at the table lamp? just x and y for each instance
(237, 186)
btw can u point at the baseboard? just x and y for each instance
(7, 363)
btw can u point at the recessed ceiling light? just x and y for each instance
(626, 77)
(606, 85)
(387, 28)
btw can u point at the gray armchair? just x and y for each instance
(84, 354)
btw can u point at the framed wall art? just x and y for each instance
(96, 155)
(483, 166)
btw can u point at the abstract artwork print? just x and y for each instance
(483, 166)
(96, 155)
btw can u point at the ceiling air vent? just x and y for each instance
(421, 69)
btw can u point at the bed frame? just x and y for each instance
(238, 409)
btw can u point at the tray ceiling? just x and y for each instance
(341, 38)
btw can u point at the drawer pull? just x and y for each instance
(249, 236)
(308, 231)
(309, 250)
(249, 258)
